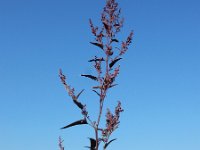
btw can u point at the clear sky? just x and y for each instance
(159, 82)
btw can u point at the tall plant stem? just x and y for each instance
(101, 102)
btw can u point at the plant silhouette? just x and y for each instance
(107, 70)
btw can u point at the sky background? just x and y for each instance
(159, 81)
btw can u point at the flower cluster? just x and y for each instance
(111, 18)
(109, 51)
(62, 77)
(125, 45)
(97, 66)
(112, 122)
(68, 88)
(71, 92)
(93, 29)
(84, 111)
(116, 72)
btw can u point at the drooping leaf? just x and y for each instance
(105, 146)
(97, 44)
(79, 122)
(90, 76)
(78, 104)
(113, 62)
(114, 40)
(92, 143)
(96, 92)
(79, 93)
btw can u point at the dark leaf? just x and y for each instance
(92, 143)
(119, 10)
(79, 93)
(97, 44)
(117, 25)
(90, 148)
(96, 59)
(106, 26)
(79, 122)
(90, 76)
(114, 40)
(113, 85)
(108, 143)
(78, 104)
(96, 92)
(113, 62)
(112, 80)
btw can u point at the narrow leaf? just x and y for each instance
(106, 26)
(116, 25)
(92, 143)
(79, 122)
(114, 40)
(90, 76)
(113, 62)
(96, 92)
(90, 148)
(97, 44)
(79, 93)
(96, 59)
(113, 85)
(108, 143)
(78, 104)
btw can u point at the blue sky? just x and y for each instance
(159, 79)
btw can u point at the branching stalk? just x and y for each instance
(105, 37)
